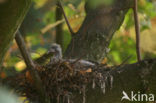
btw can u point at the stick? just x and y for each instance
(65, 17)
(137, 30)
(24, 51)
(50, 26)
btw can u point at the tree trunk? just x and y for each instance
(92, 40)
(12, 13)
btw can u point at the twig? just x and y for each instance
(124, 61)
(43, 58)
(137, 30)
(65, 17)
(48, 27)
(24, 51)
(30, 65)
(84, 94)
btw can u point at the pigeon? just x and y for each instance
(56, 51)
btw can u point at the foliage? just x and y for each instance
(122, 44)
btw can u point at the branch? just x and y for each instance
(59, 28)
(137, 77)
(24, 51)
(50, 26)
(42, 59)
(65, 17)
(30, 66)
(137, 30)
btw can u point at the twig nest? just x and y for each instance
(63, 79)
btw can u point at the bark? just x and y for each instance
(12, 13)
(91, 43)
(138, 77)
(92, 40)
(59, 28)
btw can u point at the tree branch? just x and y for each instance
(137, 77)
(31, 67)
(59, 28)
(24, 51)
(137, 29)
(65, 17)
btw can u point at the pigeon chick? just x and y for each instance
(56, 51)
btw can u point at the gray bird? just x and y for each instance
(56, 50)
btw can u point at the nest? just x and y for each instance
(62, 80)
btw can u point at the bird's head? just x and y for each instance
(55, 49)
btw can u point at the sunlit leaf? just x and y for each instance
(20, 66)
